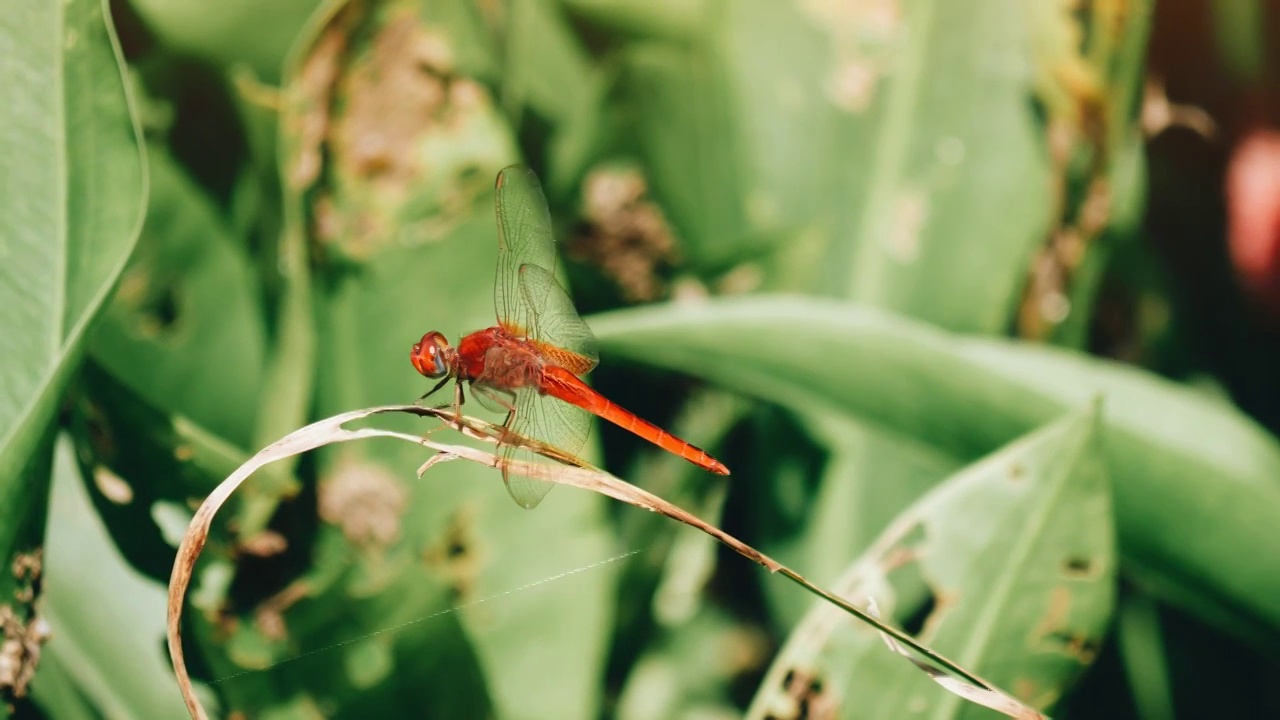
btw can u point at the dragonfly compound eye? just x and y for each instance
(432, 355)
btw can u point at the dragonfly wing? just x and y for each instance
(558, 330)
(524, 238)
(549, 420)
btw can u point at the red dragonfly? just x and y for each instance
(529, 364)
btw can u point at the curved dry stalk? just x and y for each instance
(570, 470)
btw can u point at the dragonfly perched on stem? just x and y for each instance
(530, 364)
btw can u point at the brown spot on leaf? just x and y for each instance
(1025, 688)
(365, 501)
(1052, 630)
(1083, 648)
(624, 233)
(861, 34)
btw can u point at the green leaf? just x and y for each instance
(92, 631)
(547, 72)
(139, 455)
(185, 331)
(232, 32)
(71, 199)
(1202, 460)
(1011, 563)
(682, 108)
(1142, 650)
(670, 19)
(869, 477)
(688, 673)
(874, 158)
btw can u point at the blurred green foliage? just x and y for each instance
(922, 219)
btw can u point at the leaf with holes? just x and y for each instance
(1203, 459)
(1009, 568)
(185, 331)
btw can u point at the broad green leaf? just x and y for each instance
(1179, 459)
(895, 157)
(185, 331)
(94, 631)
(547, 73)
(71, 198)
(683, 112)
(1011, 564)
(69, 207)
(942, 189)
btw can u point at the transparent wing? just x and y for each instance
(551, 421)
(529, 299)
(524, 238)
(558, 330)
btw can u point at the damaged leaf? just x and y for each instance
(967, 396)
(187, 301)
(1009, 567)
(396, 140)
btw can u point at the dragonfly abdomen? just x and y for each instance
(568, 387)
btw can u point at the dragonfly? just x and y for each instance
(530, 365)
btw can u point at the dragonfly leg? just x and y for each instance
(432, 391)
(458, 399)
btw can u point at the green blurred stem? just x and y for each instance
(290, 369)
(1142, 651)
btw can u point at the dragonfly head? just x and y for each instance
(433, 356)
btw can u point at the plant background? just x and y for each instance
(850, 247)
